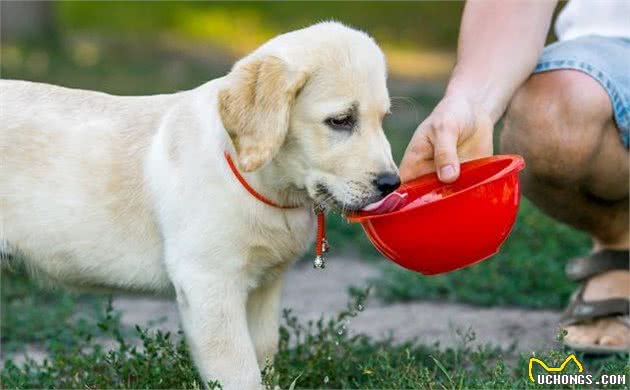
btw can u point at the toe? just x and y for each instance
(613, 333)
(610, 340)
(582, 334)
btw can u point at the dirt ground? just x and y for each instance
(311, 293)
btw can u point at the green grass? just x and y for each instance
(320, 354)
(39, 315)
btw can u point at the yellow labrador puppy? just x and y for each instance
(135, 193)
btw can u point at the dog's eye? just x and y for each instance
(345, 122)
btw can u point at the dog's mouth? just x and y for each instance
(351, 203)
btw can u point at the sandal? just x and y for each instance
(579, 310)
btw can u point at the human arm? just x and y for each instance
(499, 44)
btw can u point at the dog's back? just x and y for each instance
(71, 183)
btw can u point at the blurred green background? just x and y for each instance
(161, 47)
(96, 37)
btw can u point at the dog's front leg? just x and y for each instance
(213, 315)
(263, 311)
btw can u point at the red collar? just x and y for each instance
(249, 188)
(321, 245)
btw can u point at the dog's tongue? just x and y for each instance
(388, 204)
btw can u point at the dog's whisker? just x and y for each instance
(407, 99)
(344, 207)
(411, 103)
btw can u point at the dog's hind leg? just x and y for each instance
(263, 312)
(213, 315)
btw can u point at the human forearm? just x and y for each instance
(499, 44)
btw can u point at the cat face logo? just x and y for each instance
(571, 357)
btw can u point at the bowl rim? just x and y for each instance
(517, 163)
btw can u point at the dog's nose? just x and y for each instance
(387, 183)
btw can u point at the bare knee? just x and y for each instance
(556, 120)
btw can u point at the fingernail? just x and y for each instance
(447, 172)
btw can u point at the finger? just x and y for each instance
(445, 154)
(418, 158)
(408, 173)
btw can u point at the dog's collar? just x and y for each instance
(249, 188)
(321, 244)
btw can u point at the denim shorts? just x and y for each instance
(605, 59)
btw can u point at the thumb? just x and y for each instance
(445, 155)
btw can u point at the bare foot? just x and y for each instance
(605, 331)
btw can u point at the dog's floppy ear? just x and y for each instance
(255, 108)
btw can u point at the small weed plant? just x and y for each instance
(316, 354)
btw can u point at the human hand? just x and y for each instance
(456, 130)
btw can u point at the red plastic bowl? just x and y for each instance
(443, 227)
